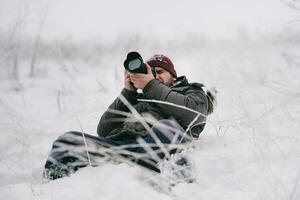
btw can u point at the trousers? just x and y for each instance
(74, 150)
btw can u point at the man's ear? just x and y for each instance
(148, 68)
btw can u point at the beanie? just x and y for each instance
(163, 62)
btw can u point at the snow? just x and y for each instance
(250, 146)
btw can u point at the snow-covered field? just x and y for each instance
(249, 149)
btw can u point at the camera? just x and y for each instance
(134, 63)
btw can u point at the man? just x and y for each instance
(142, 128)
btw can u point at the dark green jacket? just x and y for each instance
(191, 95)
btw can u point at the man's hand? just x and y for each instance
(127, 82)
(141, 80)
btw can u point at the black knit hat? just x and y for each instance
(163, 62)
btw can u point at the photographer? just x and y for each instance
(169, 110)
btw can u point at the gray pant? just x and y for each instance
(74, 150)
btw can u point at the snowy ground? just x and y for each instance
(249, 149)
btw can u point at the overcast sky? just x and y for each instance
(166, 18)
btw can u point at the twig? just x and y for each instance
(141, 119)
(173, 104)
(77, 117)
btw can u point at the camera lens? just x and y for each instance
(134, 64)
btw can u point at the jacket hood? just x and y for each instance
(180, 81)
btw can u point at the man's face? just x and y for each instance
(164, 76)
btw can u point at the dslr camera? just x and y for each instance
(134, 63)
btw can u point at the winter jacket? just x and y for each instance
(183, 93)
